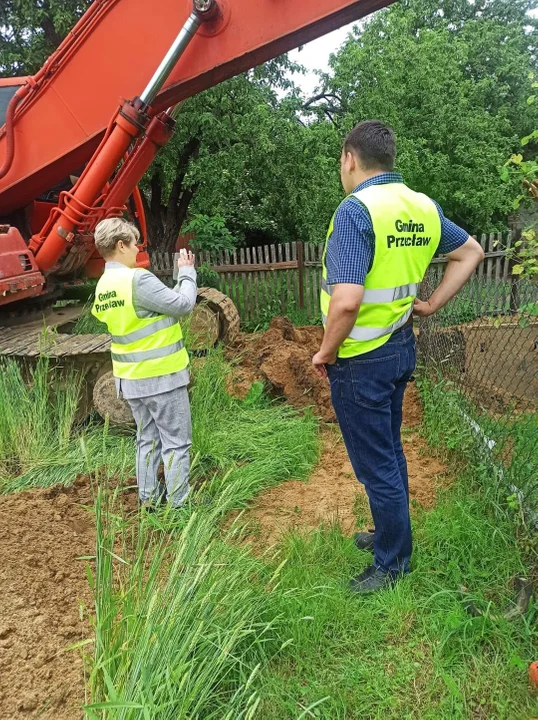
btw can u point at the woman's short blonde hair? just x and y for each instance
(109, 232)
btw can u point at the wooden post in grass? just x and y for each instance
(300, 266)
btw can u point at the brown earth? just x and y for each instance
(282, 357)
(332, 493)
(43, 582)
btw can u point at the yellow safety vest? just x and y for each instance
(141, 347)
(407, 231)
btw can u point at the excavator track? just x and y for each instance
(214, 320)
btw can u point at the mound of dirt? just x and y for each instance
(282, 356)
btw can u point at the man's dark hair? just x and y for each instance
(374, 144)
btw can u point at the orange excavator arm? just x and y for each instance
(59, 120)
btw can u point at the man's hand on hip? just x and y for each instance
(462, 263)
(422, 309)
(319, 361)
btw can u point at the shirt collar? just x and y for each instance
(111, 265)
(382, 179)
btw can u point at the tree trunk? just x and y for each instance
(165, 220)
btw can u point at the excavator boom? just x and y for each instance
(114, 51)
(77, 137)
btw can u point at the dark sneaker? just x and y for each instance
(364, 540)
(371, 580)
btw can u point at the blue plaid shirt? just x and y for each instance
(351, 248)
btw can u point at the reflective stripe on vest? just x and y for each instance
(138, 357)
(364, 334)
(383, 295)
(407, 232)
(144, 332)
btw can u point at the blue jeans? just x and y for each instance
(367, 393)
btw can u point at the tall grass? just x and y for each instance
(88, 324)
(258, 442)
(41, 440)
(185, 616)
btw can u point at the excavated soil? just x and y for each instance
(282, 358)
(47, 533)
(332, 493)
(43, 582)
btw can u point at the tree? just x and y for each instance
(451, 77)
(31, 31)
(240, 153)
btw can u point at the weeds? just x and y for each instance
(88, 324)
(185, 616)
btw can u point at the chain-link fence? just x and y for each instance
(482, 352)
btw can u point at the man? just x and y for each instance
(149, 359)
(379, 245)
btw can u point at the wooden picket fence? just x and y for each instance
(283, 279)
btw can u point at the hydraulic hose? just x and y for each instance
(10, 134)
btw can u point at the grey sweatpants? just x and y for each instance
(163, 432)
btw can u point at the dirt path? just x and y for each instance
(332, 494)
(42, 585)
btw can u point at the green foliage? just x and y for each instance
(451, 78)
(207, 277)
(525, 172)
(240, 150)
(31, 31)
(210, 233)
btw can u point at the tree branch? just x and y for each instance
(321, 96)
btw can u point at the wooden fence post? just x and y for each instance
(300, 266)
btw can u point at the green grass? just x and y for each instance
(414, 651)
(411, 652)
(88, 324)
(41, 441)
(188, 623)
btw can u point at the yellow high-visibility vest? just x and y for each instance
(141, 347)
(407, 230)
